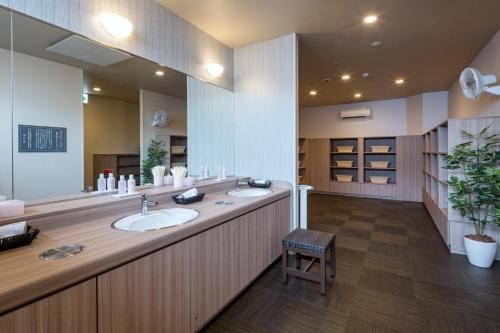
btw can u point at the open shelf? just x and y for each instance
(370, 156)
(302, 160)
(178, 158)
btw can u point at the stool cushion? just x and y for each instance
(310, 240)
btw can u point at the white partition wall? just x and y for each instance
(210, 127)
(265, 85)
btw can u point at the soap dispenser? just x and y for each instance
(111, 182)
(122, 185)
(101, 183)
(131, 184)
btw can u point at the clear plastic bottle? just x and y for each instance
(111, 182)
(131, 184)
(122, 185)
(101, 183)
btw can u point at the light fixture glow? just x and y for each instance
(159, 73)
(97, 89)
(313, 93)
(399, 81)
(370, 19)
(346, 77)
(357, 95)
(116, 25)
(215, 70)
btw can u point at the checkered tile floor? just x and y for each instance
(394, 274)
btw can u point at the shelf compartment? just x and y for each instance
(380, 173)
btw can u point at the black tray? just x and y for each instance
(252, 183)
(12, 242)
(183, 201)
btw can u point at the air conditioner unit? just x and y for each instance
(356, 113)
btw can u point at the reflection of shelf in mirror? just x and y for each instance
(302, 168)
(341, 153)
(388, 169)
(180, 154)
(347, 168)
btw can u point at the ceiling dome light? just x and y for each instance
(313, 93)
(370, 19)
(215, 70)
(357, 95)
(399, 81)
(159, 73)
(97, 89)
(345, 77)
(116, 25)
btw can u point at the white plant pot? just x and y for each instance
(480, 254)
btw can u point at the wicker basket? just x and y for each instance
(379, 164)
(344, 178)
(345, 149)
(12, 242)
(379, 179)
(344, 164)
(380, 149)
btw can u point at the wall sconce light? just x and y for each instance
(215, 70)
(116, 25)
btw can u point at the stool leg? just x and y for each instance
(322, 272)
(333, 259)
(298, 260)
(284, 263)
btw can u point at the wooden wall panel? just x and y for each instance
(265, 85)
(319, 152)
(147, 295)
(440, 220)
(365, 189)
(159, 34)
(409, 161)
(279, 223)
(72, 310)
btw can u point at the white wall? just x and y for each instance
(5, 125)
(265, 84)
(388, 118)
(487, 62)
(210, 127)
(48, 94)
(414, 115)
(150, 102)
(435, 109)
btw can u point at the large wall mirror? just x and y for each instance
(75, 109)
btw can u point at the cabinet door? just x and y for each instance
(72, 310)
(224, 260)
(319, 164)
(279, 224)
(150, 294)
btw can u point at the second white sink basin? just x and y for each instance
(154, 220)
(249, 192)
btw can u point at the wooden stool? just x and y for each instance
(310, 243)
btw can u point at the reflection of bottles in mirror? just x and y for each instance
(131, 184)
(101, 183)
(122, 185)
(111, 182)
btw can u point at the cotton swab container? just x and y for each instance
(158, 173)
(179, 174)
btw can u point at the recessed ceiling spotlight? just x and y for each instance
(399, 81)
(375, 44)
(97, 89)
(159, 73)
(366, 75)
(313, 93)
(357, 95)
(326, 80)
(370, 19)
(345, 77)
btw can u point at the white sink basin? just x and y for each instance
(155, 220)
(249, 192)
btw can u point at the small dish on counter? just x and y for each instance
(379, 164)
(344, 178)
(379, 179)
(380, 149)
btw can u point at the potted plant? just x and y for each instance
(476, 191)
(156, 156)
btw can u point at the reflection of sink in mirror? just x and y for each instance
(106, 100)
(155, 220)
(249, 192)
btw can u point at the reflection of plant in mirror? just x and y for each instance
(476, 194)
(156, 156)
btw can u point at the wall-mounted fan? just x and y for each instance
(160, 119)
(473, 83)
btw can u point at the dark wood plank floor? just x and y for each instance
(394, 274)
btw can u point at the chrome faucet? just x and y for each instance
(147, 203)
(238, 180)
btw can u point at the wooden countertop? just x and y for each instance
(25, 278)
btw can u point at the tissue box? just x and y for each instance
(10, 208)
(187, 201)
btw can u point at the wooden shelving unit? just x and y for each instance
(435, 186)
(120, 164)
(341, 156)
(303, 147)
(370, 156)
(178, 158)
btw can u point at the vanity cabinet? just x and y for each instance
(72, 310)
(150, 294)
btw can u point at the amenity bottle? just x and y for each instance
(122, 185)
(131, 184)
(101, 183)
(111, 182)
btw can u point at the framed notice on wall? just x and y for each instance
(41, 139)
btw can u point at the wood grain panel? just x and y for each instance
(72, 310)
(409, 161)
(440, 220)
(319, 152)
(388, 191)
(280, 226)
(147, 295)
(159, 34)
